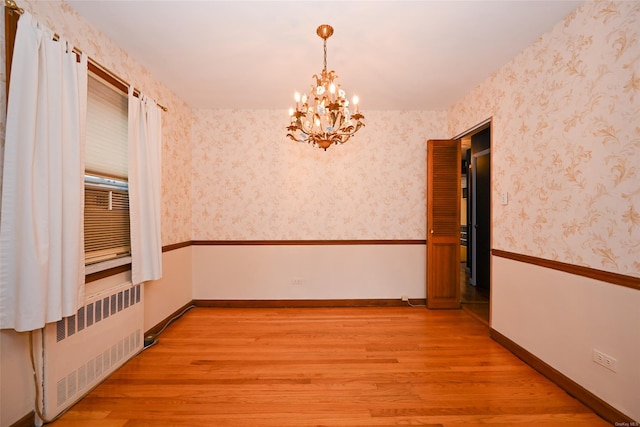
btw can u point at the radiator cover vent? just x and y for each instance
(82, 350)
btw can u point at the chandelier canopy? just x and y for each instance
(324, 117)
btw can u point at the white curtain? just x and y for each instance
(41, 231)
(145, 148)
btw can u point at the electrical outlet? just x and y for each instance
(605, 360)
(405, 298)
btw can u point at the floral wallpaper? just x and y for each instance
(176, 152)
(565, 146)
(566, 141)
(251, 182)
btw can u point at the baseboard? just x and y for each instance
(28, 420)
(158, 327)
(593, 402)
(308, 303)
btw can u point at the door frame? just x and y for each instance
(487, 123)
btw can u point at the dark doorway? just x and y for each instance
(481, 209)
(476, 270)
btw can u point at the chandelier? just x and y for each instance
(323, 117)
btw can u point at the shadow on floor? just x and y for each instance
(474, 300)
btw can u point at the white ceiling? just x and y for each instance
(395, 55)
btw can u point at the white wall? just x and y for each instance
(165, 296)
(16, 377)
(561, 318)
(325, 272)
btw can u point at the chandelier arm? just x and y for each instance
(292, 136)
(307, 130)
(334, 119)
(342, 119)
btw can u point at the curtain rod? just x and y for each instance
(11, 4)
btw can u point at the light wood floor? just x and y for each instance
(327, 367)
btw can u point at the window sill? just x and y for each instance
(106, 265)
(104, 269)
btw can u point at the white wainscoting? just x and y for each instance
(561, 317)
(284, 272)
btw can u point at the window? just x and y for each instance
(106, 210)
(107, 226)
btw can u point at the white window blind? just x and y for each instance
(106, 201)
(107, 130)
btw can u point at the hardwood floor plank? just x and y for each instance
(374, 367)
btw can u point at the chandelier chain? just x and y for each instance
(325, 54)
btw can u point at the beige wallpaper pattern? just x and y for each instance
(176, 153)
(250, 182)
(566, 141)
(566, 146)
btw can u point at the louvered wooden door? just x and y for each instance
(443, 224)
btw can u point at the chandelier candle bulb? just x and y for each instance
(324, 120)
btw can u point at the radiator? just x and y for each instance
(80, 351)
